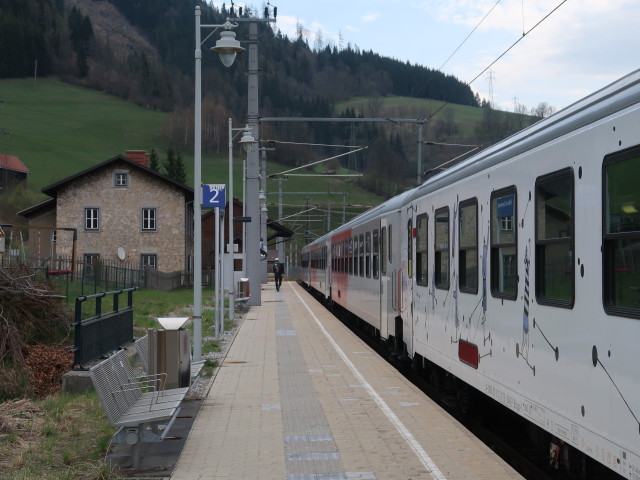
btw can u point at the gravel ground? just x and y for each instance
(200, 386)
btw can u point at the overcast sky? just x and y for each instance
(581, 47)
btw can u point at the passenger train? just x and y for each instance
(517, 273)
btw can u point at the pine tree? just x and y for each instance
(174, 167)
(154, 160)
(181, 171)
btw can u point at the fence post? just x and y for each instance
(77, 350)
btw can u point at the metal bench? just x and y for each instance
(142, 349)
(135, 403)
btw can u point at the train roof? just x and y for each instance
(390, 205)
(613, 98)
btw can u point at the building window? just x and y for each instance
(441, 248)
(121, 179)
(422, 274)
(504, 252)
(621, 232)
(148, 219)
(150, 260)
(90, 267)
(468, 246)
(91, 218)
(91, 258)
(554, 261)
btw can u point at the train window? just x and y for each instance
(334, 257)
(351, 256)
(376, 255)
(410, 248)
(367, 249)
(383, 250)
(367, 252)
(504, 247)
(468, 246)
(345, 257)
(621, 229)
(324, 257)
(554, 261)
(361, 258)
(355, 255)
(441, 248)
(390, 243)
(421, 250)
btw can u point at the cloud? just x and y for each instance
(370, 17)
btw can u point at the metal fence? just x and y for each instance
(100, 274)
(103, 332)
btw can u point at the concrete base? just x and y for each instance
(77, 381)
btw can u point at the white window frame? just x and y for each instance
(121, 179)
(145, 257)
(149, 219)
(92, 219)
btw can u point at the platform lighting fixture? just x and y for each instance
(247, 141)
(227, 46)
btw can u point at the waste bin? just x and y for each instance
(243, 289)
(173, 352)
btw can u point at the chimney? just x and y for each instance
(139, 156)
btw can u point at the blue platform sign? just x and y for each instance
(505, 206)
(214, 195)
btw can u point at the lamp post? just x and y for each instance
(228, 48)
(253, 172)
(247, 141)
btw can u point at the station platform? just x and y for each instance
(300, 397)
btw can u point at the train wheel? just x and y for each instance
(464, 396)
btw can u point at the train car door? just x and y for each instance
(386, 282)
(405, 280)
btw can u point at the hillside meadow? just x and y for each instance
(57, 130)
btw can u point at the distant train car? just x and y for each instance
(517, 273)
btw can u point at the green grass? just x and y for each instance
(57, 129)
(64, 436)
(466, 117)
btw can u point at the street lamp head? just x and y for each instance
(227, 46)
(247, 141)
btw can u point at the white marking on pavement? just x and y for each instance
(393, 418)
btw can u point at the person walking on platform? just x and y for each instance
(277, 274)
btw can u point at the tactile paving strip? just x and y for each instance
(310, 451)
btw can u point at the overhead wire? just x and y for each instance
(524, 34)
(467, 37)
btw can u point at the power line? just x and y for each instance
(467, 37)
(524, 34)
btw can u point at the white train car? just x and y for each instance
(518, 274)
(314, 260)
(364, 270)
